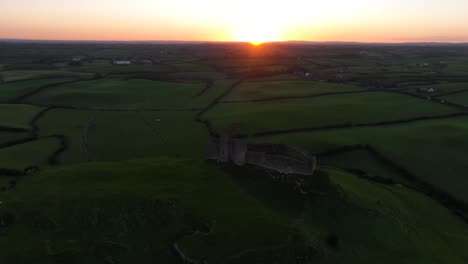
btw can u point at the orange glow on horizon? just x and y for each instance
(252, 21)
(256, 43)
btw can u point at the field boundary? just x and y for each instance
(22, 97)
(280, 98)
(349, 125)
(13, 129)
(453, 204)
(206, 122)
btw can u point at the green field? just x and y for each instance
(212, 75)
(17, 115)
(322, 111)
(442, 88)
(96, 212)
(363, 161)
(6, 137)
(108, 68)
(34, 153)
(121, 94)
(191, 67)
(10, 91)
(274, 89)
(459, 98)
(422, 147)
(115, 160)
(10, 76)
(110, 136)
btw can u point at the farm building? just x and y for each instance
(427, 90)
(121, 62)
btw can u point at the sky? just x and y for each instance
(238, 20)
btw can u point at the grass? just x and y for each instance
(389, 224)
(212, 75)
(124, 212)
(449, 87)
(218, 88)
(422, 147)
(322, 111)
(99, 204)
(110, 136)
(460, 98)
(34, 153)
(121, 94)
(9, 76)
(10, 91)
(103, 206)
(107, 68)
(364, 161)
(17, 115)
(272, 89)
(181, 67)
(12, 136)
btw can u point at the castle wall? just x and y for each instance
(284, 159)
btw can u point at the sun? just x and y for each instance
(258, 33)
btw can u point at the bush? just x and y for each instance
(333, 241)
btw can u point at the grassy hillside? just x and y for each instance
(95, 213)
(422, 147)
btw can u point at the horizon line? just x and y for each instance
(19, 40)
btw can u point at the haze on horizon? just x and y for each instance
(241, 20)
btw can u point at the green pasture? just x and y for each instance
(18, 115)
(459, 98)
(108, 68)
(388, 224)
(449, 87)
(117, 135)
(349, 109)
(10, 91)
(212, 75)
(440, 88)
(457, 66)
(120, 210)
(121, 94)
(272, 89)
(362, 161)
(191, 67)
(422, 147)
(6, 136)
(34, 153)
(135, 210)
(9, 76)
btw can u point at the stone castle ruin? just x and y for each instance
(284, 159)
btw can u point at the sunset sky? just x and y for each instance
(239, 20)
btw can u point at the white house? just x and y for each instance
(121, 62)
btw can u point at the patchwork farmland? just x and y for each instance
(107, 163)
